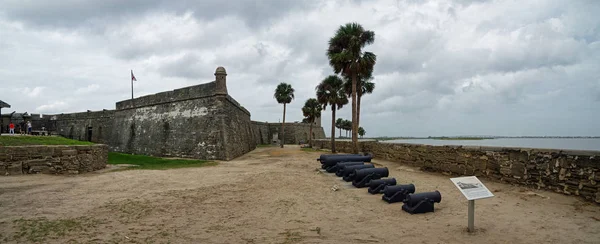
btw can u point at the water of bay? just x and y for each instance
(549, 143)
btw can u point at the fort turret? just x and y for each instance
(221, 81)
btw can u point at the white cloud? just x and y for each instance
(88, 89)
(444, 67)
(54, 106)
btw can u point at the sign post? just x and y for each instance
(471, 215)
(472, 189)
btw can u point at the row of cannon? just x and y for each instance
(356, 168)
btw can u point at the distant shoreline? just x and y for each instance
(481, 138)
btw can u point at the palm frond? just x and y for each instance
(284, 93)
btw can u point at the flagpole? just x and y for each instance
(131, 84)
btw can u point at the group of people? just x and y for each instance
(11, 128)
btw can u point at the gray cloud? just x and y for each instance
(78, 13)
(444, 67)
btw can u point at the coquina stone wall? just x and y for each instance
(294, 132)
(94, 126)
(569, 172)
(261, 132)
(200, 121)
(17, 160)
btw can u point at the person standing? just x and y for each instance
(11, 128)
(29, 127)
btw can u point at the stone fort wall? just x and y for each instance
(295, 133)
(16, 160)
(570, 172)
(200, 121)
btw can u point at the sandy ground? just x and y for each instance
(274, 195)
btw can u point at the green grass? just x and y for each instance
(148, 162)
(39, 229)
(39, 140)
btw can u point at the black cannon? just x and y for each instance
(360, 177)
(349, 169)
(330, 161)
(421, 202)
(337, 166)
(377, 186)
(341, 169)
(398, 193)
(325, 156)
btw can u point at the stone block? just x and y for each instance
(39, 169)
(35, 162)
(70, 152)
(522, 156)
(14, 168)
(517, 169)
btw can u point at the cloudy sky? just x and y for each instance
(443, 67)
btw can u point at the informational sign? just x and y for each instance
(471, 187)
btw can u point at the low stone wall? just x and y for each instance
(17, 160)
(569, 172)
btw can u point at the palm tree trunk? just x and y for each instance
(340, 132)
(282, 131)
(354, 117)
(310, 135)
(333, 128)
(358, 107)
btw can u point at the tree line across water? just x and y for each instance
(353, 75)
(346, 125)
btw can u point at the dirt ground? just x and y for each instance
(274, 195)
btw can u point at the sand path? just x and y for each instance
(275, 195)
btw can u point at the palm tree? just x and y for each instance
(361, 132)
(364, 86)
(347, 126)
(284, 93)
(331, 91)
(346, 57)
(311, 111)
(338, 124)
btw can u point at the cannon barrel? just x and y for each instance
(413, 199)
(379, 173)
(349, 169)
(398, 193)
(362, 176)
(325, 156)
(389, 191)
(421, 202)
(388, 181)
(330, 161)
(337, 166)
(377, 186)
(340, 170)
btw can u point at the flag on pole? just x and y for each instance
(132, 76)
